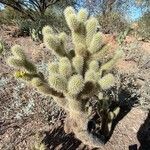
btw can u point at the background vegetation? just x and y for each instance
(114, 15)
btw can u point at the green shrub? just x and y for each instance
(24, 26)
(8, 15)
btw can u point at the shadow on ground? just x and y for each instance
(58, 139)
(143, 134)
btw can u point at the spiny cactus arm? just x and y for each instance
(100, 54)
(82, 15)
(47, 30)
(76, 25)
(91, 28)
(75, 84)
(53, 67)
(54, 43)
(45, 88)
(38, 81)
(110, 64)
(78, 64)
(20, 60)
(19, 63)
(81, 50)
(58, 82)
(91, 76)
(96, 43)
(73, 23)
(75, 20)
(94, 65)
(107, 81)
(69, 11)
(65, 67)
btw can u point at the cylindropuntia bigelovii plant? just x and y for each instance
(77, 77)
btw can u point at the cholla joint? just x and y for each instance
(77, 77)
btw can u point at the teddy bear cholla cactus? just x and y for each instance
(77, 76)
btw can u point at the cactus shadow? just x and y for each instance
(58, 139)
(125, 108)
(143, 135)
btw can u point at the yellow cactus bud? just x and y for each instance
(19, 74)
(82, 15)
(47, 30)
(107, 81)
(24, 75)
(75, 84)
(94, 65)
(96, 43)
(78, 62)
(18, 52)
(58, 82)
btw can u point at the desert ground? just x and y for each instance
(28, 118)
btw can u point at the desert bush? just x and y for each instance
(78, 79)
(8, 15)
(55, 13)
(24, 26)
(36, 29)
(144, 26)
(112, 23)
